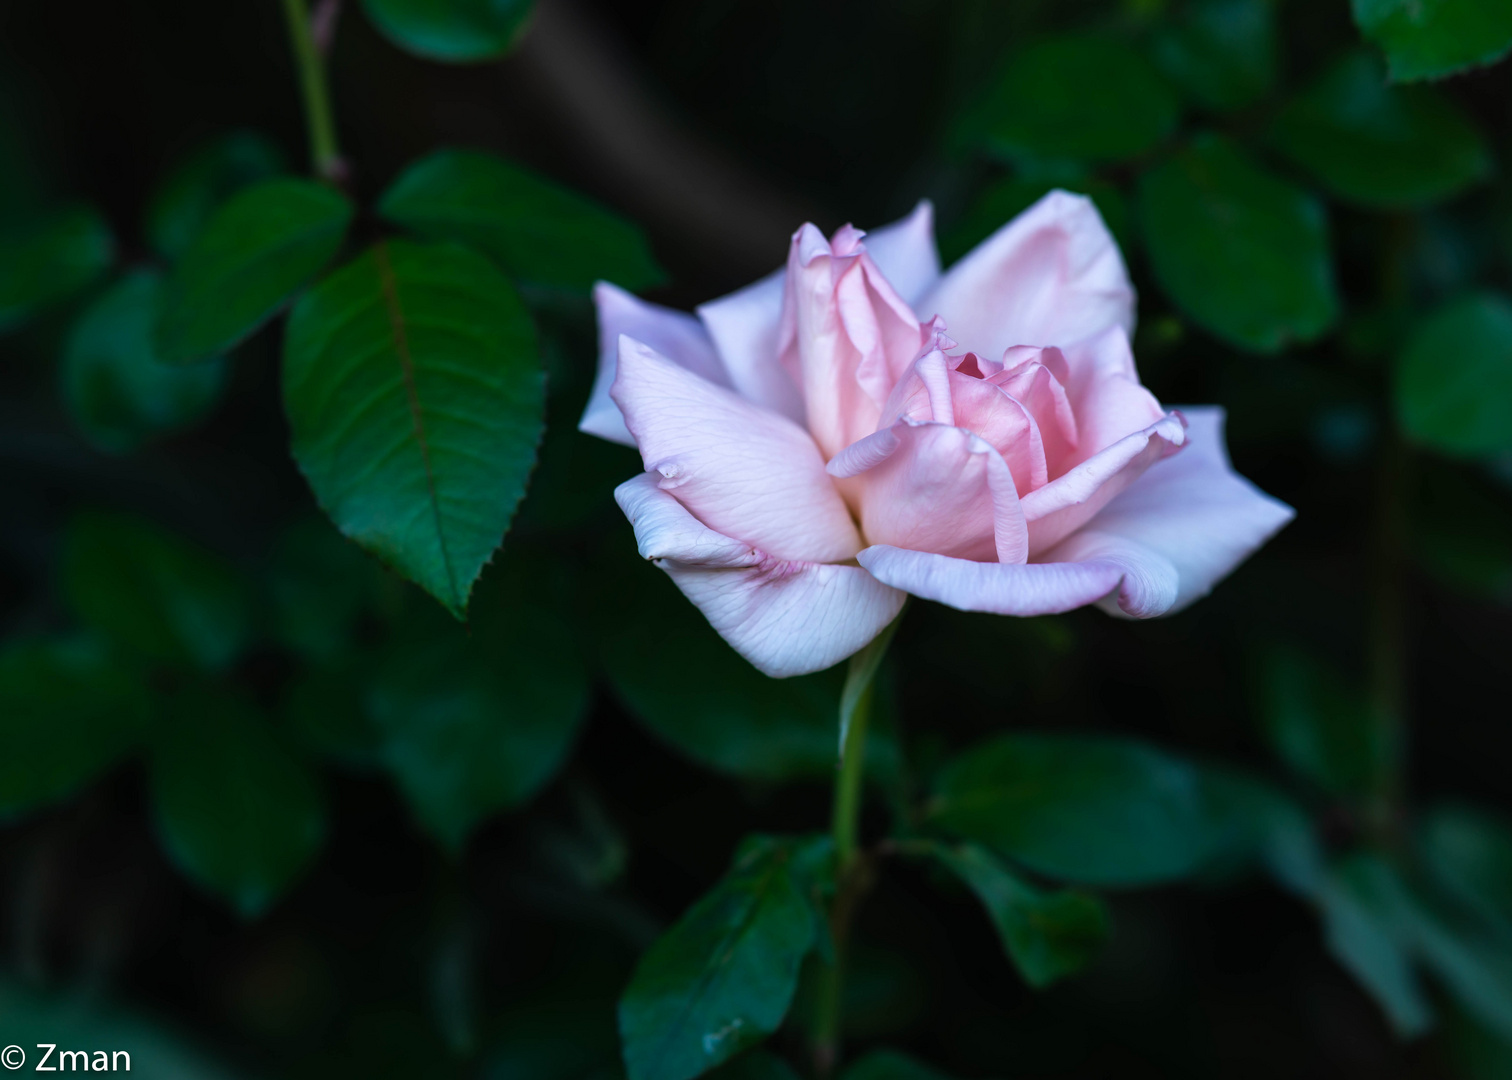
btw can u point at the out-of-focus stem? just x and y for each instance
(325, 157)
(852, 869)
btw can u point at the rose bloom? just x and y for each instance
(818, 446)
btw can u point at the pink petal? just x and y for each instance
(743, 326)
(1181, 527)
(744, 471)
(905, 252)
(935, 388)
(945, 490)
(1038, 380)
(785, 617)
(1069, 501)
(845, 336)
(675, 334)
(1105, 392)
(1051, 276)
(1001, 588)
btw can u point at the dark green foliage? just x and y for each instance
(1255, 822)
(45, 259)
(201, 181)
(455, 31)
(1367, 927)
(475, 720)
(1427, 39)
(1048, 935)
(1378, 145)
(756, 1065)
(1469, 855)
(415, 398)
(1243, 252)
(154, 593)
(722, 978)
(536, 230)
(1454, 377)
(320, 583)
(1084, 98)
(118, 392)
(245, 263)
(238, 812)
(699, 695)
(68, 710)
(1326, 731)
(891, 1065)
(1103, 811)
(1220, 53)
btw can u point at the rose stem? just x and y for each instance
(325, 158)
(852, 869)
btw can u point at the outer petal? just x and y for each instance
(1001, 588)
(1068, 502)
(1051, 276)
(1181, 527)
(946, 490)
(905, 252)
(744, 328)
(744, 471)
(675, 334)
(785, 617)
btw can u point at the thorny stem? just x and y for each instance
(325, 157)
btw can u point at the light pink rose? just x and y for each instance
(817, 446)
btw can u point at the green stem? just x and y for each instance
(852, 871)
(325, 157)
(1388, 633)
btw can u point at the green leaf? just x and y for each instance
(200, 182)
(1102, 811)
(1220, 53)
(1469, 854)
(154, 593)
(891, 1065)
(1368, 929)
(1254, 822)
(723, 977)
(1077, 97)
(1244, 253)
(1378, 145)
(1326, 731)
(454, 31)
(1008, 197)
(68, 711)
(245, 263)
(1454, 378)
(237, 812)
(1472, 961)
(415, 397)
(118, 392)
(50, 258)
(1048, 934)
(706, 701)
(476, 720)
(536, 230)
(1427, 39)
(756, 1065)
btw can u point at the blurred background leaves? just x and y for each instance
(263, 790)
